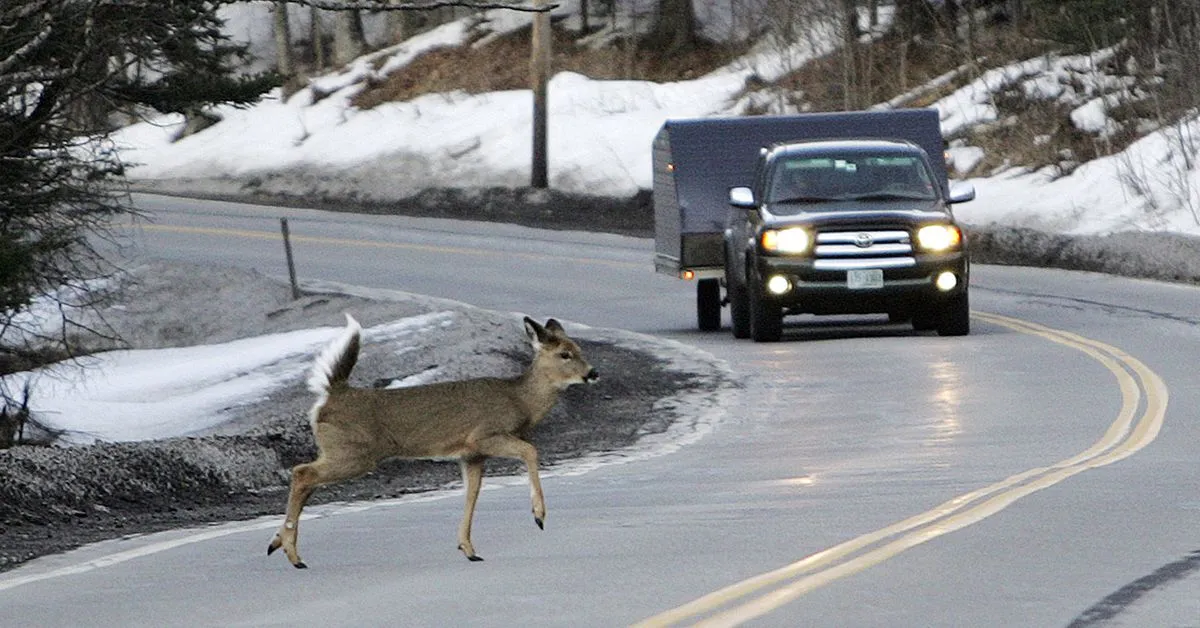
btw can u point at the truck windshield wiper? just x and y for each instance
(806, 199)
(890, 196)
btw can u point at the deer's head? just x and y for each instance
(557, 357)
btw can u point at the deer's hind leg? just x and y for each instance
(305, 479)
(472, 470)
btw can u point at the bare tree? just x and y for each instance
(675, 28)
(285, 59)
(349, 42)
(850, 74)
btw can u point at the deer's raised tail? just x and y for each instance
(332, 368)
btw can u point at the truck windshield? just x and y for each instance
(805, 180)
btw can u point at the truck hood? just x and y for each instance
(851, 212)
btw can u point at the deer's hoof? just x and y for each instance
(299, 565)
(541, 524)
(274, 545)
(469, 552)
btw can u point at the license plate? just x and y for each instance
(865, 278)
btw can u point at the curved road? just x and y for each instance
(1039, 472)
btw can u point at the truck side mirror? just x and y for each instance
(741, 197)
(961, 192)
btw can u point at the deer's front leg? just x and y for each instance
(472, 470)
(504, 446)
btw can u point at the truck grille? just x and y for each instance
(849, 250)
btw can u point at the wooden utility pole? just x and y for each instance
(539, 65)
(285, 62)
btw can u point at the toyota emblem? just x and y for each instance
(863, 240)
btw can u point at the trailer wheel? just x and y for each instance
(708, 304)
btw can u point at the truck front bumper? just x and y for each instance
(904, 290)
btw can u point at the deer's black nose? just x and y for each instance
(591, 376)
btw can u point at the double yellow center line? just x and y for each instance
(1144, 405)
(226, 232)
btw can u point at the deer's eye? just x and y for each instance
(566, 355)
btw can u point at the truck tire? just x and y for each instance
(925, 320)
(955, 319)
(708, 304)
(739, 311)
(739, 303)
(766, 316)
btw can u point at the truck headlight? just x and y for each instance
(791, 240)
(938, 238)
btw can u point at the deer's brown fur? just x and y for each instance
(471, 420)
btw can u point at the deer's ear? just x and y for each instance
(554, 327)
(537, 334)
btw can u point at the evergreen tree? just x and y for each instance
(66, 66)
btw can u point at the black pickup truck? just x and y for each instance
(843, 213)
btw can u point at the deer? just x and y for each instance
(470, 420)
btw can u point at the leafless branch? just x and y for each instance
(384, 5)
(33, 76)
(20, 53)
(24, 10)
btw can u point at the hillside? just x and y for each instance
(1054, 140)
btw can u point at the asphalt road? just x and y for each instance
(1039, 472)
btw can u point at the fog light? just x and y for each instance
(946, 281)
(778, 285)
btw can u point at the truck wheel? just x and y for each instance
(739, 311)
(708, 304)
(955, 319)
(766, 317)
(924, 320)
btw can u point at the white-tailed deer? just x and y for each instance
(471, 420)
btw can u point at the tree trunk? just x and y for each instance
(675, 28)
(349, 42)
(317, 38)
(285, 61)
(850, 35)
(403, 25)
(1016, 12)
(914, 18)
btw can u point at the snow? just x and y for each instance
(599, 143)
(600, 133)
(135, 395)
